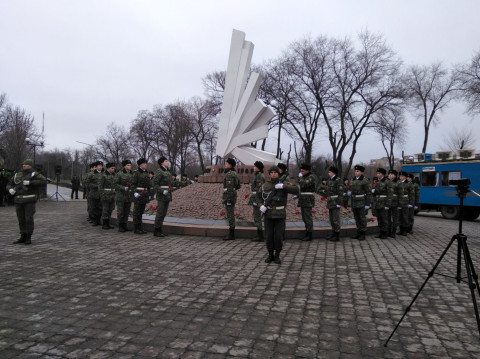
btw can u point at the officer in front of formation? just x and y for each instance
(140, 188)
(360, 193)
(382, 190)
(106, 189)
(256, 185)
(162, 185)
(306, 200)
(334, 193)
(23, 187)
(231, 183)
(123, 199)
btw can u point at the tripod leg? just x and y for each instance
(430, 274)
(462, 242)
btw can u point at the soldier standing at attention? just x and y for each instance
(140, 188)
(106, 188)
(94, 195)
(231, 183)
(361, 195)
(273, 199)
(406, 198)
(306, 199)
(258, 181)
(162, 185)
(3, 185)
(86, 182)
(123, 181)
(415, 188)
(383, 198)
(23, 187)
(334, 202)
(283, 174)
(392, 214)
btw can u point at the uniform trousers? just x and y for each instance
(257, 217)
(334, 214)
(360, 219)
(230, 209)
(107, 209)
(403, 216)
(274, 233)
(411, 216)
(123, 210)
(139, 209)
(161, 213)
(392, 219)
(381, 214)
(25, 213)
(307, 218)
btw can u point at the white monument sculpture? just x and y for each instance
(243, 119)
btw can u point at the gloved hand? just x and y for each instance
(279, 186)
(263, 209)
(410, 206)
(126, 189)
(349, 193)
(255, 204)
(338, 206)
(416, 207)
(12, 191)
(387, 208)
(367, 207)
(295, 197)
(373, 190)
(26, 183)
(300, 174)
(136, 195)
(165, 192)
(399, 207)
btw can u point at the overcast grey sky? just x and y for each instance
(88, 63)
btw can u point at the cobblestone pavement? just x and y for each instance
(82, 292)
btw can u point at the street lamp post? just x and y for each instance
(34, 145)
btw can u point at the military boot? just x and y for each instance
(308, 237)
(270, 257)
(361, 236)
(125, 227)
(402, 231)
(121, 227)
(379, 235)
(231, 235)
(410, 229)
(106, 224)
(158, 232)
(96, 222)
(22, 239)
(392, 232)
(277, 257)
(357, 236)
(334, 237)
(138, 229)
(28, 240)
(259, 237)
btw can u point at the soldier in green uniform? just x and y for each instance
(406, 199)
(360, 193)
(175, 181)
(306, 200)
(416, 198)
(322, 187)
(231, 183)
(106, 189)
(140, 188)
(273, 199)
(23, 187)
(123, 199)
(3, 185)
(392, 215)
(162, 185)
(185, 180)
(86, 181)
(283, 174)
(94, 195)
(334, 202)
(258, 181)
(383, 193)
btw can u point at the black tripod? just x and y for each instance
(56, 194)
(462, 249)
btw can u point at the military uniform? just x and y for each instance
(140, 188)
(185, 181)
(416, 195)
(4, 179)
(162, 185)
(283, 174)
(94, 195)
(360, 193)
(406, 199)
(334, 202)
(383, 193)
(258, 181)
(273, 202)
(123, 196)
(231, 183)
(106, 189)
(23, 187)
(306, 199)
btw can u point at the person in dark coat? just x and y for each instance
(75, 186)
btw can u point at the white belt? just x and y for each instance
(275, 208)
(358, 195)
(307, 193)
(405, 195)
(108, 189)
(226, 189)
(165, 187)
(383, 196)
(27, 196)
(140, 189)
(254, 192)
(332, 196)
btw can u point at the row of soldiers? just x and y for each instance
(107, 190)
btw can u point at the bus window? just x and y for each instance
(429, 179)
(447, 176)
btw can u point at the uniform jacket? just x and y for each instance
(396, 194)
(406, 194)
(162, 181)
(141, 185)
(255, 186)
(106, 186)
(308, 184)
(123, 179)
(416, 192)
(26, 194)
(361, 192)
(92, 180)
(231, 183)
(334, 192)
(275, 199)
(383, 193)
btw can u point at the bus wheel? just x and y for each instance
(471, 214)
(450, 212)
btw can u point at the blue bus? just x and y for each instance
(435, 193)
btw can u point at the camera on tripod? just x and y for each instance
(462, 185)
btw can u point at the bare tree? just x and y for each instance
(115, 145)
(214, 86)
(431, 88)
(391, 127)
(142, 139)
(470, 84)
(460, 139)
